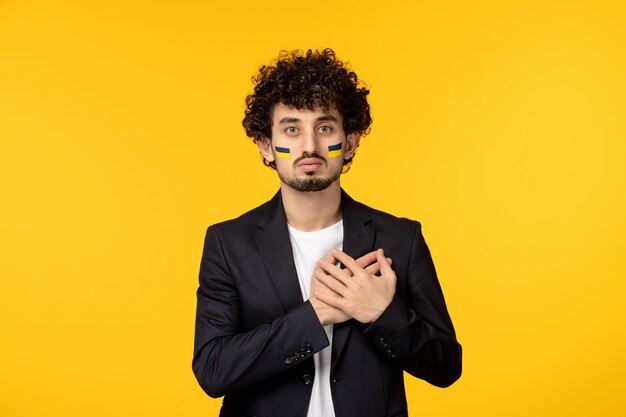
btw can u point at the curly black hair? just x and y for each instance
(307, 80)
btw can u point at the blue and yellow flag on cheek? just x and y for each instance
(284, 153)
(334, 150)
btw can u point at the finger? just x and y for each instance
(332, 283)
(327, 293)
(347, 261)
(367, 259)
(329, 258)
(385, 266)
(318, 285)
(375, 267)
(335, 302)
(334, 270)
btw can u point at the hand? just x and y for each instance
(325, 312)
(357, 291)
(368, 262)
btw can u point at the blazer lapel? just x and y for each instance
(272, 239)
(358, 239)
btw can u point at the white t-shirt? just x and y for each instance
(308, 248)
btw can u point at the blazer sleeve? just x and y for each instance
(417, 331)
(225, 357)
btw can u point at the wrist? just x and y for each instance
(318, 308)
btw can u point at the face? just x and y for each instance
(308, 147)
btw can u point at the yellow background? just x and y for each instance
(499, 124)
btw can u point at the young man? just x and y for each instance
(314, 304)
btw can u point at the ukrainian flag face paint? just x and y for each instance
(334, 150)
(283, 153)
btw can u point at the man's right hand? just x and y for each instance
(331, 315)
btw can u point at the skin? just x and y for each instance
(308, 132)
(366, 286)
(358, 293)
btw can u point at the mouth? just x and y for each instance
(309, 164)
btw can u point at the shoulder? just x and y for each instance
(269, 215)
(383, 218)
(247, 221)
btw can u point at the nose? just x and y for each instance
(310, 142)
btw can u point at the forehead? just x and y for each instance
(283, 112)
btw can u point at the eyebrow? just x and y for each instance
(326, 117)
(288, 120)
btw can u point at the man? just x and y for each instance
(314, 304)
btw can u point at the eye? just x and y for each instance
(325, 129)
(291, 130)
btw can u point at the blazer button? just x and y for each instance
(307, 379)
(288, 360)
(308, 347)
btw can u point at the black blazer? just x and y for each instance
(255, 337)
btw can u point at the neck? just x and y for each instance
(309, 211)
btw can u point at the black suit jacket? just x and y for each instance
(255, 337)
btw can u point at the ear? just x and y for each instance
(265, 147)
(352, 142)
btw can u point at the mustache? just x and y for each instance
(307, 155)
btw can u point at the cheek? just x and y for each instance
(282, 152)
(334, 151)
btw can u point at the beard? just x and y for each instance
(310, 184)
